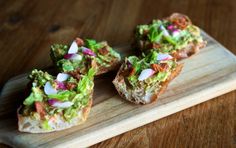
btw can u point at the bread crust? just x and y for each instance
(30, 125)
(190, 50)
(138, 95)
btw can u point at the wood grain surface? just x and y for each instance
(203, 77)
(28, 28)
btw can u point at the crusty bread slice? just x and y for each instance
(190, 49)
(30, 125)
(138, 95)
(88, 62)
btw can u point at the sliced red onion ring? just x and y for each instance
(146, 73)
(61, 85)
(68, 56)
(163, 57)
(59, 104)
(165, 32)
(88, 51)
(73, 56)
(62, 77)
(49, 89)
(73, 48)
(52, 101)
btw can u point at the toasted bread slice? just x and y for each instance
(56, 103)
(31, 125)
(84, 54)
(184, 51)
(140, 95)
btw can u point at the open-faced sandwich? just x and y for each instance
(175, 35)
(143, 80)
(84, 54)
(56, 103)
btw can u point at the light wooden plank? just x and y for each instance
(210, 73)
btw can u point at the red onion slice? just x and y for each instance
(49, 89)
(73, 56)
(61, 85)
(129, 65)
(59, 104)
(73, 48)
(88, 51)
(176, 33)
(165, 32)
(62, 77)
(68, 56)
(171, 27)
(146, 73)
(163, 57)
(52, 101)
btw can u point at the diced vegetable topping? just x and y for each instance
(79, 42)
(62, 77)
(171, 27)
(36, 95)
(73, 48)
(176, 33)
(61, 85)
(49, 89)
(59, 104)
(87, 51)
(165, 32)
(40, 108)
(146, 73)
(163, 57)
(73, 56)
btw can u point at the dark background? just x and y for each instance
(29, 27)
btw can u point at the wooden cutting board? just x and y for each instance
(206, 75)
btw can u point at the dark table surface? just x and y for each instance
(29, 27)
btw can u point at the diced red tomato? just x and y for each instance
(156, 67)
(181, 22)
(162, 67)
(79, 41)
(132, 72)
(40, 108)
(103, 51)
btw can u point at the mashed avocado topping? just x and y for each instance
(64, 95)
(168, 35)
(151, 69)
(81, 53)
